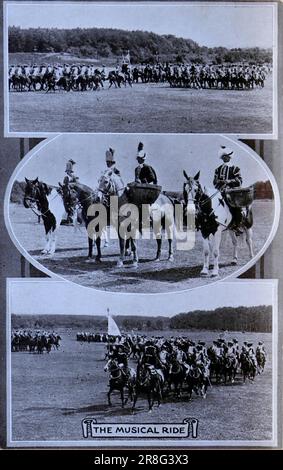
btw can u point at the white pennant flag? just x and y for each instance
(113, 328)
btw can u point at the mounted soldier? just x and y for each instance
(111, 162)
(144, 173)
(228, 176)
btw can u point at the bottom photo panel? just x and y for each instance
(191, 369)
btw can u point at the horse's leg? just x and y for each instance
(135, 252)
(98, 248)
(127, 248)
(158, 253)
(120, 262)
(171, 254)
(150, 402)
(122, 397)
(249, 239)
(90, 248)
(235, 248)
(217, 240)
(47, 247)
(52, 242)
(205, 269)
(108, 396)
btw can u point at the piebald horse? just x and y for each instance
(212, 219)
(48, 203)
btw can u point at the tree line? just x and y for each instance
(144, 47)
(252, 319)
(263, 190)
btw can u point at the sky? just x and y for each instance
(61, 297)
(166, 153)
(209, 25)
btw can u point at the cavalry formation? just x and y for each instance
(34, 341)
(88, 77)
(178, 363)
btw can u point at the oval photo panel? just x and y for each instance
(142, 214)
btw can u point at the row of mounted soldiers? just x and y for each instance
(180, 360)
(85, 77)
(34, 341)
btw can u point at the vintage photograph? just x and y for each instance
(85, 371)
(142, 214)
(128, 67)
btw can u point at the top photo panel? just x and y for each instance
(140, 67)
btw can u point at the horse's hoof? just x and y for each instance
(44, 252)
(204, 273)
(214, 274)
(120, 264)
(157, 259)
(89, 260)
(98, 260)
(234, 262)
(128, 253)
(171, 258)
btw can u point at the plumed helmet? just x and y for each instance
(141, 153)
(225, 151)
(109, 154)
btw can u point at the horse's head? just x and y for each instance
(107, 184)
(191, 188)
(111, 365)
(35, 193)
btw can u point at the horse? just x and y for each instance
(248, 367)
(148, 381)
(119, 380)
(230, 365)
(48, 202)
(177, 376)
(213, 217)
(260, 359)
(161, 214)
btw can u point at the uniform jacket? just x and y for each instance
(227, 174)
(145, 174)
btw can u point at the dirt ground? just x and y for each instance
(69, 260)
(144, 108)
(52, 393)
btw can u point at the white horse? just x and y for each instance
(48, 203)
(213, 218)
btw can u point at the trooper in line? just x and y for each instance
(111, 162)
(70, 178)
(144, 173)
(228, 176)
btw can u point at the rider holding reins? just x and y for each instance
(228, 176)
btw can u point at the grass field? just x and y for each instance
(69, 260)
(52, 393)
(144, 108)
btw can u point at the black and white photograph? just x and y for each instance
(202, 208)
(94, 369)
(141, 67)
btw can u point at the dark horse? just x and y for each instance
(47, 201)
(148, 382)
(119, 380)
(176, 376)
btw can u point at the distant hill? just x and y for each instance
(144, 46)
(257, 318)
